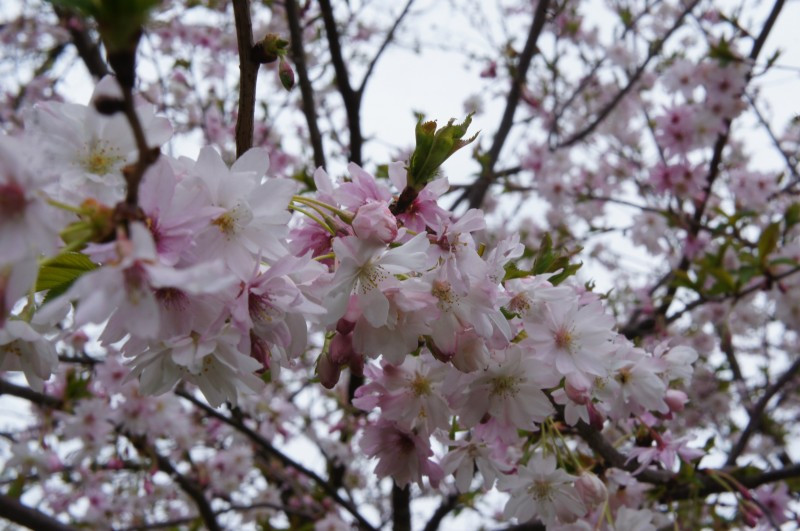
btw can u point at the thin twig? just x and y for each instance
(87, 48)
(188, 486)
(447, 505)
(757, 412)
(633, 328)
(265, 445)
(655, 50)
(384, 45)
(477, 192)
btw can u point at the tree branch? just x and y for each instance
(248, 76)
(756, 414)
(401, 508)
(384, 46)
(87, 48)
(306, 90)
(187, 485)
(447, 505)
(13, 510)
(655, 49)
(287, 461)
(634, 329)
(351, 98)
(478, 190)
(40, 399)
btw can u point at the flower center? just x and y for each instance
(100, 158)
(172, 298)
(231, 222)
(12, 200)
(520, 304)
(563, 339)
(369, 276)
(420, 385)
(442, 290)
(504, 386)
(261, 311)
(540, 490)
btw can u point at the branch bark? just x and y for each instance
(40, 399)
(757, 412)
(13, 510)
(287, 461)
(248, 76)
(187, 485)
(401, 508)
(477, 191)
(88, 50)
(635, 329)
(350, 97)
(306, 90)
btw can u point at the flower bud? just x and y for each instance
(286, 74)
(328, 371)
(591, 490)
(596, 418)
(676, 400)
(341, 349)
(374, 221)
(578, 388)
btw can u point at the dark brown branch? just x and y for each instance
(673, 488)
(13, 510)
(351, 98)
(616, 459)
(147, 156)
(287, 461)
(790, 164)
(401, 508)
(635, 329)
(87, 48)
(447, 505)
(384, 45)
(248, 76)
(49, 60)
(306, 90)
(233, 508)
(655, 49)
(477, 192)
(187, 485)
(757, 413)
(40, 399)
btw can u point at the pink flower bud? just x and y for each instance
(328, 371)
(341, 349)
(286, 74)
(373, 221)
(596, 418)
(578, 388)
(591, 490)
(676, 400)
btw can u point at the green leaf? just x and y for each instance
(768, 240)
(544, 256)
(565, 274)
(792, 215)
(512, 272)
(58, 274)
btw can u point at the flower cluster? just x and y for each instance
(208, 285)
